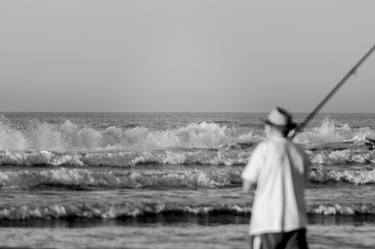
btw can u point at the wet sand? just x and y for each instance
(175, 236)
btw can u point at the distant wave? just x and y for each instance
(353, 176)
(332, 132)
(87, 178)
(236, 154)
(126, 159)
(69, 137)
(75, 178)
(41, 143)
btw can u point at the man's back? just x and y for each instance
(279, 168)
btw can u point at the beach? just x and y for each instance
(175, 236)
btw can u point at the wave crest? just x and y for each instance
(69, 136)
(330, 131)
(75, 178)
(129, 209)
(41, 143)
(346, 176)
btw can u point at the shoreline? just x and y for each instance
(181, 236)
(179, 218)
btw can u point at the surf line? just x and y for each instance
(332, 92)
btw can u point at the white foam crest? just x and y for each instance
(341, 209)
(120, 159)
(331, 131)
(343, 156)
(207, 158)
(174, 157)
(88, 178)
(10, 138)
(250, 137)
(60, 211)
(69, 136)
(203, 135)
(83, 178)
(136, 209)
(350, 176)
(328, 132)
(111, 211)
(39, 158)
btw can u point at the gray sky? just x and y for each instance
(192, 55)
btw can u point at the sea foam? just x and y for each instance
(69, 136)
(74, 178)
(331, 131)
(82, 178)
(67, 143)
(129, 209)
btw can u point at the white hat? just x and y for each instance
(280, 118)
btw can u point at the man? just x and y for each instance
(277, 170)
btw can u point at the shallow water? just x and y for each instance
(112, 204)
(175, 236)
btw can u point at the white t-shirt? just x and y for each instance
(279, 168)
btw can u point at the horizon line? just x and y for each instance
(149, 112)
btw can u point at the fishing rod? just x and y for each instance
(332, 92)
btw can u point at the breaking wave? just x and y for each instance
(68, 136)
(88, 179)
(129, 209)
(342, 209)
(42, 143)
(199, 156)
(353, 176)
(343, 156)
(172, 156)
(332, 132)
(39, 136)
(75, 178)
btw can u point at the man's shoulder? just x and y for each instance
(267, 146)
(262, 145)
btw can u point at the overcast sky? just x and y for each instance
(192, 55)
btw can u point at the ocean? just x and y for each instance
(171, 180)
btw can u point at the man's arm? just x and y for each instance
(251, 171)
(248, 186)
